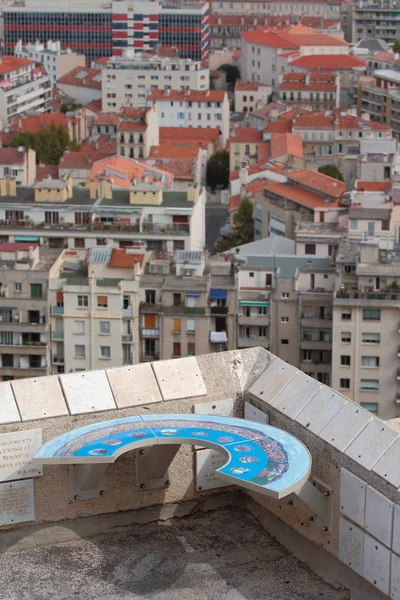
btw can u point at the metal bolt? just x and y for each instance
(168, 482)
(76, 497)
(326, 494)
(102, 493)
(141, 452)
(142, 486)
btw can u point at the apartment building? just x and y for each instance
(365, 331)
(314, 90)
(188, 108)
(129, 79)
(245, 144)
(25, 346)
(82, 84)
(19, 163)
(379, 19)
(24, 87)
(137, 131)
(56, 61)
(55, 213)
(285, 7)
(379, 96)
(266, 53)
(250, 96)
(94, 309)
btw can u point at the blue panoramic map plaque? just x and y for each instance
(259, 457)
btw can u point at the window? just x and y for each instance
(371, 338)
(346, 316)
(36, 290)
(79, 351)
(284, 319)
(105, 352)
(246, 311)
(17, 288)
(176, 327)
(268, 280)
(285, 295)
(371, 406)
(105, 327)
(150, 322)
(262, 332)
(150, 296)
(369, 385)
(345, 384)
(79, 327)
(176, 351)
(345, 337)
(262, 310)
(371, 314)
(79, 242)
(191, 349)
(177, 299)
(126, 302)
(190, 325)
(83, 301)
(307, 355)
(102, 301)
(284, 342)
(310, 248)
(345, 360)
(370, 361)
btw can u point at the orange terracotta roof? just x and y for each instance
(134, 113)
(82, 159)
(387, 57)
(103, 143)
(234, 203)
(121, 259)
(46, 171)
(168, 134)
(82, 77)
(372, 186)
(328, 61)
(188, 95)
(11, 156)
(309, 119)
(324, 81)
(246, 135)
(121, 171)
(292, 38)
(182, 168)
(286, 143)
(37, 122)
(269, 37)
(10, 63)
(352, 122)
(248, 86)
(95, 106)
(323, 183)
(184, 150)
(298, 195)
(103, 60)
(106, 118)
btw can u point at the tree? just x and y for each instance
(218, 169)
(232, 73)
(243, 227)
(332, 171)
(396, 46)
(49, 143)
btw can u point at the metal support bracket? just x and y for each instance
(87, 481)
(318, 497)
(152, 466)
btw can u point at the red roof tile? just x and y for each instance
(328, 61)
(11, 156)
(95, 106)
(248, 86)
(17, 246)
(298, 195)
(46, 171)
(121, 259)
(81, 159)
(291, 38)
(34, 123)
(188, 95)
(246, 135)
(286, 143)
(10, 63)
(372, 186)
(234, 203)
(269, 37)
(106, 118)
(82, 77)
(318, 181)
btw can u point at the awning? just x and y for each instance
(217, 294)
(218, 337)
(193, 294)
(27, 238)
(253, 303)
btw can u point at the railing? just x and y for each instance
(194, 310)
(26, 345)
(127, 338)
(165, 227)
(127, 312)
(58, 360)
(57, 335)
(219, 310)
(150, 332)
(57, 310)
(388, 294)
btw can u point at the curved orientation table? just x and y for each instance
(262, 458)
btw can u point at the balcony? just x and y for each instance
(253, 341)
(25, 326)
(57, 335)
(57, 310)
(34, 348)
(127, 313)
(219, 310)
(151, 333)
(127, 339)
(256, 320)
(316, 322)
(58, 360)
(169, 228)
(150, 308)
(195, 310)
(315, 367)
(315, 345)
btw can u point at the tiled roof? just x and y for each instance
(46, 171)
(184, 150)
(168, 134)
(37, 122)
(82, 159)
(308, 119)
(17, 246)
(106, 118)
(188, 95)
(352, 122)
(286, 143)
(318, 181)
(11, 156)
(132, 126)
(328, 61)
(269, 37)
(291, 38)
(103, 60)
(314, 80)
(247, 86)
(372, 186)
(121, 259)
(277, 21)
(10, 63)
(103, 143)
(298, 195)
(246, 135)
(387, 57)
(82, 77)
(234, 202)
(95, 106)
(124, 170)
(182, 168)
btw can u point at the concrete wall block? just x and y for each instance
(388, 466)
(134, 386)
(395, 577)
(379, 516)
(376, 567)
(320, 410)
(396, 529)
(352, 496)
(8, 407)
(372, 443)
(87, 392)
(345, 426)
(273, 380)
(351, 545)
(179, 378)
(296, 395)
(40, 398)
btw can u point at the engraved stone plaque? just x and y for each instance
(207, 461)
(133, 386)
(16, 502)
(179, 378)
(221, 408)
(16, 452)
(252, 413)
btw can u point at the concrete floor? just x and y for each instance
(220, 555)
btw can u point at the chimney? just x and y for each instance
(92, 189)
(106, 189)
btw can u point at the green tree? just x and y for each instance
(232, 73)
(396, 46)
(218, 169)
(332, 171)
(243, 227)
(49, 143)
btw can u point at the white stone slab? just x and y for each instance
(352, 496)
(252, 413)
(39, 398)
(179, 378)
(207, 461)
(388, 466)
(87, 392)
(321, 409)
(296, 395)
(379, 516)
(376, 564)
(16, 452)
(134, 386)
(16, 502)
(395, 577)
(396, 529)
(351, 545)
(8, 407)
(275, 377)
(345, 426)
(221, 408)
(372, 443)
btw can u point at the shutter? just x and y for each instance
(177, 325)
(150, 321)
(101, 300)
(60, 297)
